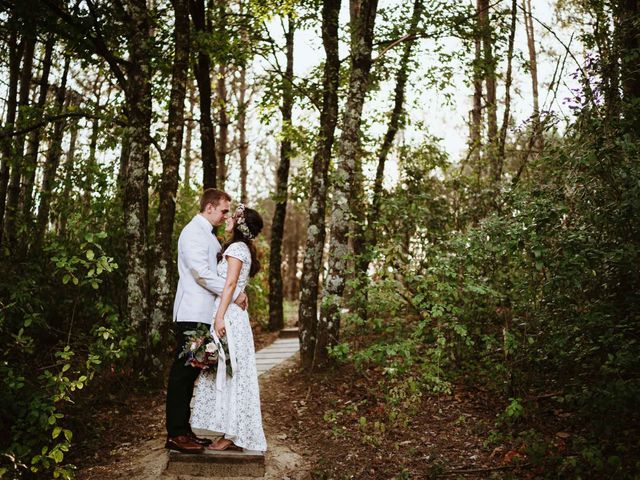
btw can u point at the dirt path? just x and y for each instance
(146, 458)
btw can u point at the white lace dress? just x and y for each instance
(231, 405)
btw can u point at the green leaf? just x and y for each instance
(90, 255)
(56, 432)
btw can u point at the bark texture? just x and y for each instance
(13, 191)
(312, 264)
(533, 70)
(365, 243)
(161, 312)
(136, 173)
(202, 71)
(12, 103)
(276, 315)
(363, 14)
(33, 144)
(52, 160)
(507, 96)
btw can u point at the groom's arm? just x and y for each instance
(195, 255)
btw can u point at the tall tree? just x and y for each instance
(9, 124)
(500, 156)
(276, 315)
(533, 70)
(243, 145)
(475, 137)
(186, 178)
(13, 191)
(489, 69)
(202, 71)
(33, 144)
(362, 16)
(162, 290)
(628, 16)
(363, 244)
(223, 125)
(52, 160)
(312, 264)
(136, 189)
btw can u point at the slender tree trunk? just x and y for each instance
(242, 133)
(136, 181)
(507, 95)
(490, 81)
(629, 15)
(7, 143)
(52, 160)
(223, 126)
(69, 166)
(92, 164)
(476, 112)
(276, 315)
(33, 145)
(13, 192)
(188, 138)
(363, 14)
(396, 120)
(533, 69)
(162, 273)
(202, 71)
(312, 264)
(364, 244)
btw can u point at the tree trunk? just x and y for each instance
(52, 160)
(33, 145)
(276, 315)
(68, 168)
(629, 15)
(312, 264)
(489, 68)
(7, 143)
(476, 112)
(507, 96)
(242, 133)
(223, 126)
(363, 244)
(202, 71)
(162, 273)
(13, 192)
(91, 161)
(136, 174)
(533, 68)
(186, 180)
(363, 14)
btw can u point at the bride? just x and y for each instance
(231, 405)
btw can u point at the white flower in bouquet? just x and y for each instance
(194, 346)
(211, 347)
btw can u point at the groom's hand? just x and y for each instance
(242, 301)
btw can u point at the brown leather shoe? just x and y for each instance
(184, 444)
(205, 442)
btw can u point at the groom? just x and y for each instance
(194, 304)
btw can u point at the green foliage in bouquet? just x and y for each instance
(203, 351)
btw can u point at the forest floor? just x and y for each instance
(315, 430)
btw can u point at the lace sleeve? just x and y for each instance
(240, 251)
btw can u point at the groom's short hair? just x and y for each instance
(212, 196)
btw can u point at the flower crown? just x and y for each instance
(241, 223)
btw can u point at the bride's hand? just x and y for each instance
(219, 327)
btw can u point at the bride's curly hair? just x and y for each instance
(254, 223)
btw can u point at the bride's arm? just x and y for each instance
(234, 266)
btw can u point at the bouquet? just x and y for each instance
(202, 351)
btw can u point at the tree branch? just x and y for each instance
(97, 43)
